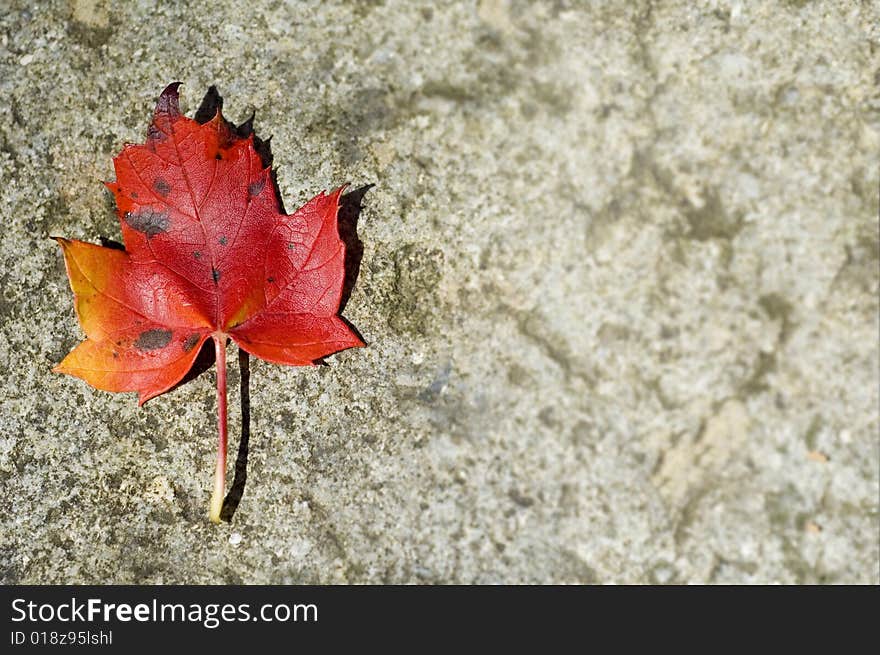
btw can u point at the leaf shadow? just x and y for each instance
(111, 243)
(236, 491)
(350, 207)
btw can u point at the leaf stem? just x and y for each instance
(220, 471)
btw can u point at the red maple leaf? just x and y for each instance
(208, 253)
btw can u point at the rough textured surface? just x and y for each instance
(619, 284)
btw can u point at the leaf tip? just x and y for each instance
(63, 368)
(144, 396)
(169, 95)
(355, 341)
(167, 111)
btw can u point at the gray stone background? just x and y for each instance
(620, 289)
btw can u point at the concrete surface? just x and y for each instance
(619, 283)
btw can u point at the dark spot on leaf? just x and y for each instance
(218, 156)
(190, 342)
(197, 254)
(254, 188)
(133, 194)
(291, 246)
(223, 241)
(148, 221)
(153, 339)
(115, 355)
(215, 275)
(161, 187)
(270, 280)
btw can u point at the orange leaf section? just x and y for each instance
(207, 252)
